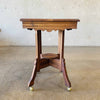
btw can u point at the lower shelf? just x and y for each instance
(49, 55)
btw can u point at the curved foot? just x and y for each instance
(67, 81)
(31, 81)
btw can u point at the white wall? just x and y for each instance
(88, 11)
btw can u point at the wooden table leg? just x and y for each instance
(61, 46)
(31, 81)
(62, 61)
(67, 82)
(36, 67)
(38, 47)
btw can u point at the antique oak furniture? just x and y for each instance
(50, 59)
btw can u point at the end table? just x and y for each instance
(49, 59)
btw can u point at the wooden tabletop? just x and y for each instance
(50, 20)
(49, 24)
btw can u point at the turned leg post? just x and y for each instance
(38, 47)
(61, 46)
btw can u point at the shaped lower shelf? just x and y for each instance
(49, 56)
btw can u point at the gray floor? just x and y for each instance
(83, 66)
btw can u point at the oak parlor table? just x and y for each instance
(49, 59)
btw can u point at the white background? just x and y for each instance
(86, 34)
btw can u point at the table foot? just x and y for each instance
(31, 81)
(67, 82)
